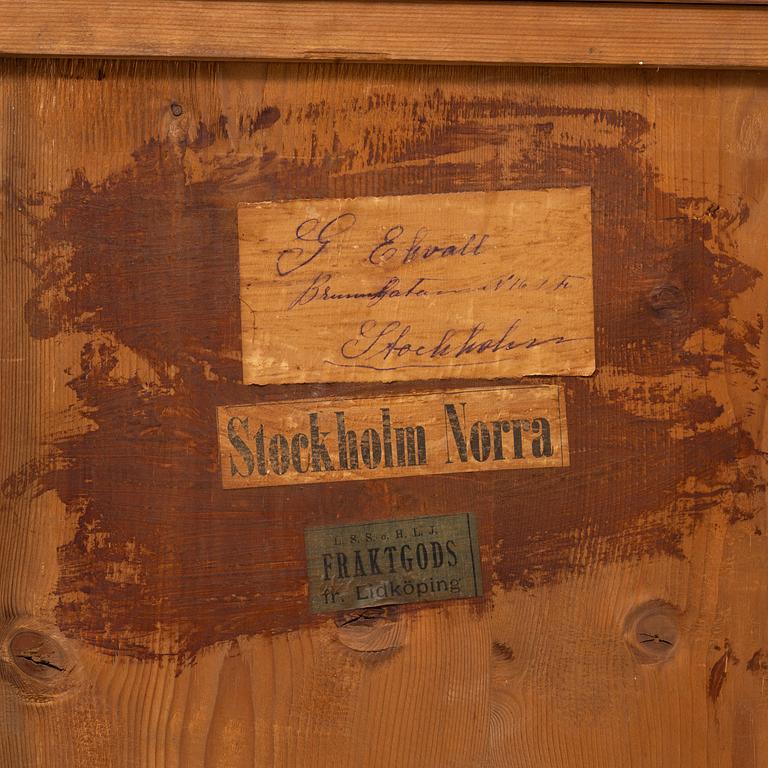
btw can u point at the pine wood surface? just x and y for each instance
(151, 618)
(653, 35)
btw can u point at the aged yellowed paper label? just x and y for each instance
(321, 441)
(481, 284)
(415, 560)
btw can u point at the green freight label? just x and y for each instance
(415, 560)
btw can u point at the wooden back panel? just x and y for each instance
(153, 618)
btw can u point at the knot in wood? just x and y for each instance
(38, 656)
(36, 661)
(371, 630)
(668, 302)
(652, 632)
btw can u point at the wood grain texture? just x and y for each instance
(418, 31)
(149, 617)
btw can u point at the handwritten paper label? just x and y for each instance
(321, 441)
(481, 284)
(393, 561)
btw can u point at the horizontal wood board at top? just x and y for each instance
(171, 615)
(349, 30)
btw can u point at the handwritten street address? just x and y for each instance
(481, 284)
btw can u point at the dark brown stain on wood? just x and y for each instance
(758, 664)
(719, 672)
(146, 262)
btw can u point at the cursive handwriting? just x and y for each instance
(316, 236)
(310, 231)
(320, 288)
(391, 247)
(391, 341)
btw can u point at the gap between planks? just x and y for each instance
(654, 35)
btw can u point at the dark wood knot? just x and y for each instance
(371, 630)
(668, 302)
(652, 631)
(38, 656)
(36, 659)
